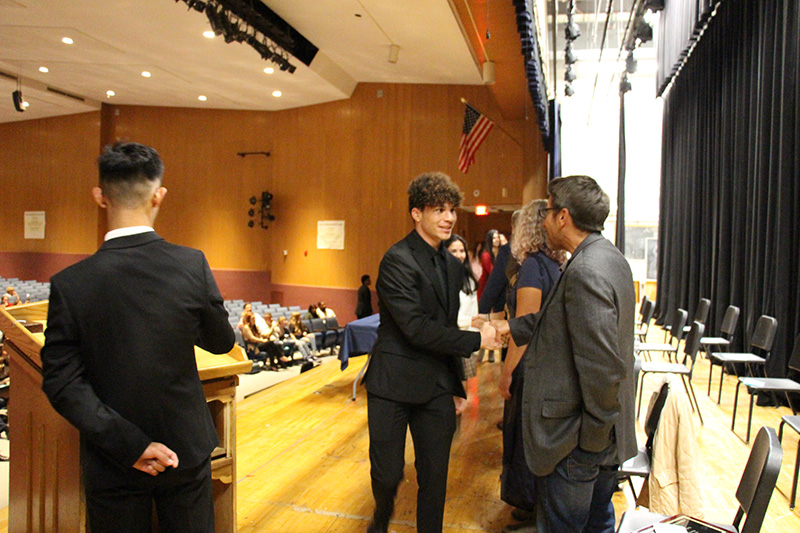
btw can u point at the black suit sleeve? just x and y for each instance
(399, 288)
(522, 328)
(72, 396)
(216, 334)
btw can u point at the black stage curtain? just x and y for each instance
(730, 187)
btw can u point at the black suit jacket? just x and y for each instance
(364, 305)
(416, 355)
(119, 359)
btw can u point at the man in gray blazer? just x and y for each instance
(415, 369)
(578, 399)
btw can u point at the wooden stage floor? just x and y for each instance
(304, 468)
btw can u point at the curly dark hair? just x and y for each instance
(433, 189)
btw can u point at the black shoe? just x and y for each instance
(372, 528)
(522, 527)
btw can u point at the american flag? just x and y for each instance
(476, 128)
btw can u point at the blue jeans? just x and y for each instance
(576, 497)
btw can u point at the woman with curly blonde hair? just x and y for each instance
(532, 273)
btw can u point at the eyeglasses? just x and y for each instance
(543, 211)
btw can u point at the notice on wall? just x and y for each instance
(34, 224)
(330, 234)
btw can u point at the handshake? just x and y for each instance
(493, 332)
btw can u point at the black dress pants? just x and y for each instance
(432, 427)
(184, 501)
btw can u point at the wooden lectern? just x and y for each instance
(46, 492)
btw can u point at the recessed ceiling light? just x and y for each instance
(44, 69)
(202, 98)
(269, 70)
(208, 34)
(276, 94)
(67, 40)
(25, 104)
(109, 94)
(146, 74)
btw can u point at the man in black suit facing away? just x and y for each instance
(415, 369)
(119, 363)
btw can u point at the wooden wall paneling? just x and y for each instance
(48, 165)
(347, 160)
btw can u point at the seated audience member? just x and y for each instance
(312, 312)
(277, 335)
(260, 322)
(324, 312)
(290, 341)
(301, 333)
(258, 344)
(13, 297)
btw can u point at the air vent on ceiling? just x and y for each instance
(68, 95)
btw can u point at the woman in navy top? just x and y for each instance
(532, 272)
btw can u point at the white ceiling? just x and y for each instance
(115, 40)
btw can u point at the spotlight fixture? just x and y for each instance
(568, 90)
(569, 55)
(572, 30)
(654, 5)
(197, 5)
(624, 85)
(16, 96)
(630, 63)
(245, 22)
(642, 31)
(264, 212)
(569, 74)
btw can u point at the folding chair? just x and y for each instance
(793, 421)
(728, 329)
(681, 369)
(676, 332)
(753, 493)
(700, 315)
(771, 385)
(647, 317)
(639, 465)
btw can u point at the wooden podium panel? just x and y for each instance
(46, 492)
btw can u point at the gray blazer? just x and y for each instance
(579, 384)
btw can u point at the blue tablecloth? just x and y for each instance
(359, 336)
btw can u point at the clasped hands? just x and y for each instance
(155, 459)
(493, 332)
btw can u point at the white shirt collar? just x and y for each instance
(126, 232)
